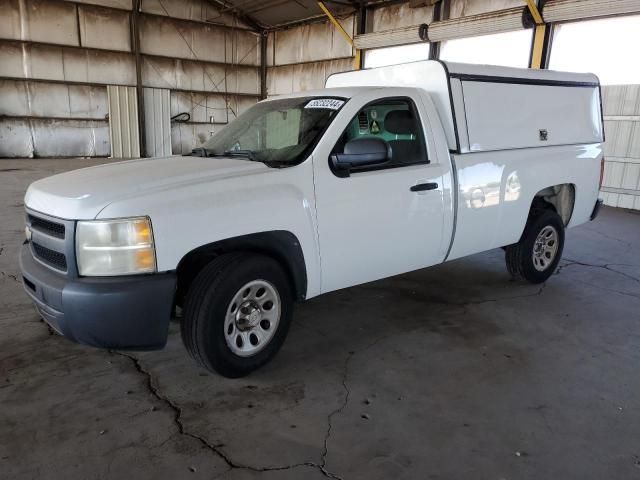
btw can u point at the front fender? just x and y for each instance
(190, 216)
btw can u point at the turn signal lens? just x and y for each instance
(145, 259)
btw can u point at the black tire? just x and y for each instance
(206, 304)
(519, 256)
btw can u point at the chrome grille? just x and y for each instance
(47, 227)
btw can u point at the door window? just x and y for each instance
(394, 120)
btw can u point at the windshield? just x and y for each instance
(278, 132)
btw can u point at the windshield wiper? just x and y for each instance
(241, 153)
(248, 154)
(201, 152)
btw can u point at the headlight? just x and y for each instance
(115, 247)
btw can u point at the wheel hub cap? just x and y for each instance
(248, 315)
(545, 248)
(252, 318)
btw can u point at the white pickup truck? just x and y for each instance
(385, 171)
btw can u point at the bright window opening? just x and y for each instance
(381, 57)
(510, 49)
(600, 47)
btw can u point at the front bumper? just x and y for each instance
(129, 312)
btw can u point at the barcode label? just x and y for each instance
(327, 103)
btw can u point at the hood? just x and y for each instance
(82, 194)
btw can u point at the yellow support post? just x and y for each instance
(538, 46)
(538, 35)
(336, 23)
(535, 13)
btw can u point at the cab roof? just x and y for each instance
(344, 92)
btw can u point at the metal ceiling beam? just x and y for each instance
(246, 16)
(242, 16)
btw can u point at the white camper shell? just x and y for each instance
(487, 108)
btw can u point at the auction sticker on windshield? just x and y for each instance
(327, 103)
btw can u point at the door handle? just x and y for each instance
(421, 187)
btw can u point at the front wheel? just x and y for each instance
(237, 313)
(536, 256)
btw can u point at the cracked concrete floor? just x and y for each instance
(446, 373)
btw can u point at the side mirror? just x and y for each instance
(361, 152)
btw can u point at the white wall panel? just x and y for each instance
(309, 43)
(188, 40)
(15, 138)
(61, 138)
(123, 4)
(242, 48)
(15, 100)
(10, 19)
(307, 76)
(623, 138)
(123, 122)
(621, 99)
(187, 75)
(39, 21)
(104, 28)
(465, 8)
(621, 185)
(53, 138)
(317, 44)
(157, 122)
(48, 62)
(23, 98)
(402, 15)
(98, 67)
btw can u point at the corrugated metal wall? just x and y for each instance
(302, 58)
(157, 122)
(57, 58)
(123, 122)
(465, 8)
(398, 16)
(621, 185)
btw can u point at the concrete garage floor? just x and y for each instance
(447, 373)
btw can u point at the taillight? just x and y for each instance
(601, 172)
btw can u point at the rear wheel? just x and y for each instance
(536, 256)
(237, 313)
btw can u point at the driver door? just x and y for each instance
(385, 219)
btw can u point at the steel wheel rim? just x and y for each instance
(545, 248)
(252, 318)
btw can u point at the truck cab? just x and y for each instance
(385, 171)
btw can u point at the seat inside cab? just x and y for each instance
(394, 120)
